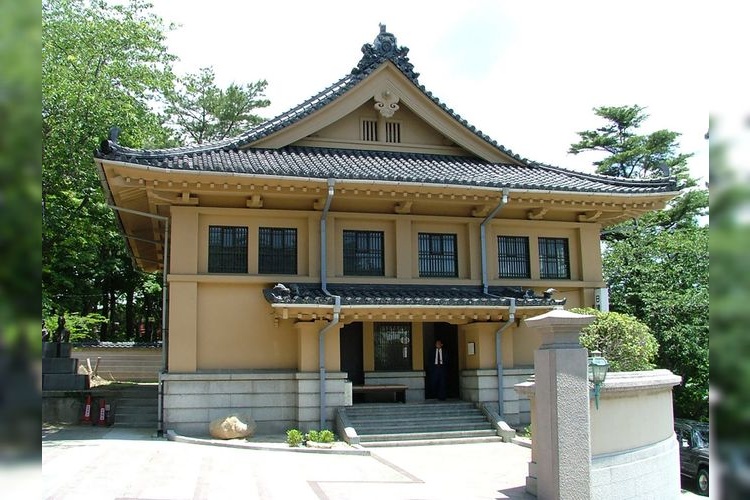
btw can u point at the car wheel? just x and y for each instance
(701, 481)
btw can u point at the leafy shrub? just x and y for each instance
(624, 341)
(326, 436)
(294, 437)
(81, 328)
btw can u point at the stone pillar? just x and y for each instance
(561, 433)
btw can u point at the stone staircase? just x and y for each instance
(137, 406)
(389, 424)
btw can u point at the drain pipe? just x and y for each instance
(336, 298)
(483, 238)
(499, 355)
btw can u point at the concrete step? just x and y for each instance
(430, 436)
(439, 440)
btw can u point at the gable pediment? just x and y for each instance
(385, 98)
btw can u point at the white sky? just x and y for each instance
(526, 73)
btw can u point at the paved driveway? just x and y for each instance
(104, 463)
(85, 462)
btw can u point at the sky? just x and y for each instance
(526, 73)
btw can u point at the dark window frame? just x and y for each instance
(554, 258)
(277, 250)
(389, 346)
(513, 257)
(363, 253)
(227, 249)
(434, 260)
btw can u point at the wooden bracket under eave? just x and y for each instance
(481, 211)
(536, 214)
(590, 216)
(255, 201)
(403, 207)
(186, 198)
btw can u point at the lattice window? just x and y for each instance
(227, 249)
(393, 347)
(369, 130)
(392, 132)
(513, 257)
(363, 253)
(438, 256)
(277, 250)
(554, 258)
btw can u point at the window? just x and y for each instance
(363, 253)
(513, 257)
(227, 249)
(392, 132)
(277, 250)
(438, 257)
(369, 130)
(554, 261)
(392, 346)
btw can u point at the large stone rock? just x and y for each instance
(232, 427)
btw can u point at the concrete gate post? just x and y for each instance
(561, 430)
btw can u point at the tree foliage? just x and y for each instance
(102, 65)
(199, 111)
(627, 343)
(657, 266)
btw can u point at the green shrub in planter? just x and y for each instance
(326, 436)
(294, 437)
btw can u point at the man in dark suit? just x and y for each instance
(439, 369)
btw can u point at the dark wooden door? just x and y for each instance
(350, 349)
(448, 334)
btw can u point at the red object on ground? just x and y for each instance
(102, 420)
(87, 410)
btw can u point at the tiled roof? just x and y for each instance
(226, 156)
(301, 294)
(386, 166)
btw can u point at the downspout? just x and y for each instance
(499, 355)
(336, 298)
(483, 238)
(485, 288)
(164, 309)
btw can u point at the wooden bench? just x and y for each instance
(398, 390)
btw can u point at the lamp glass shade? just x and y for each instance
(598, 370)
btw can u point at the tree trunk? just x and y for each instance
(104, 327)
(130, 328)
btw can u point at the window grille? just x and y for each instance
(363, 253)
(227, 249)
(513, 257)
(393, 346)
(554, 259)
(277, 250)
(369, 130)
(438, 257)
(392, 132)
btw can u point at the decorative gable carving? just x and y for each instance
(386, 103)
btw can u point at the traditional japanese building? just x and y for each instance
(330, 246)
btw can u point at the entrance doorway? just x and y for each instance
(351, 353)
(448, 334)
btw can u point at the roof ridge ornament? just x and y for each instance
(385, 48)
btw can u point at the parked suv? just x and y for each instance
(692, 437)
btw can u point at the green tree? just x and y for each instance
(632, 155)
(101, 65)
(662, 279)
(657, 266)
(199, 111)
(627, 343)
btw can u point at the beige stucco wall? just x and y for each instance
(222, 321)
(623, 402)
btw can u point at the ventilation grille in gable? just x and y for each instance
(369, 130)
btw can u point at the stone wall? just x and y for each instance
(123, 364)
(277, 401)
(480, 386)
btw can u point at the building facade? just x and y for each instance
(332, 245)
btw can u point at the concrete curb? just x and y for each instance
(239, 443)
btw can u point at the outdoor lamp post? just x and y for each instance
(598, 367)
